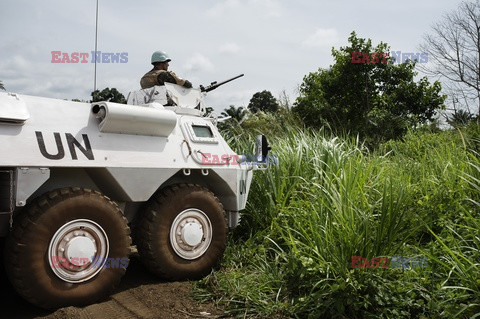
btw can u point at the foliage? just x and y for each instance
(460, 118)
(329, 199)
(453, 48)
(377, 101)
(472, 136)
(235, 115)
(264, 102)
(107, 94)
(284, 101)
(262, 123)
(2, 86)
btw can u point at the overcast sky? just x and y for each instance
(274, 42)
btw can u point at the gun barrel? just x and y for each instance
(215, 85)
(234, 78)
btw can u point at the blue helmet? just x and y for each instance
(160, 56)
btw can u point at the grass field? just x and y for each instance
(330, 199)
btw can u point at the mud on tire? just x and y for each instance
(182, 233)
(28, 249)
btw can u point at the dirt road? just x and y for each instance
(139, 295)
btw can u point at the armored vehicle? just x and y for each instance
(75, 178)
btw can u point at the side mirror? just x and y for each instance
(262, 148)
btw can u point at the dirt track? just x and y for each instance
(139, 295)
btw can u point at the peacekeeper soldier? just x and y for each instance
(160, 74)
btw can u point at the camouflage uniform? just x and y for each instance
(159, 77)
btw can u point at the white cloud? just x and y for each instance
(229, 48)
(220, 8)
(223, 99)
(198, 62)
(322, 38)
(266, 8)
(271, 8)
(20, 63)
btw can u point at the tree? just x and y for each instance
(454, 50)
(263, 101)
(374, 98)
(2, 87)
(460, 118)
(236, 113)
(284, 101)
(107, 94)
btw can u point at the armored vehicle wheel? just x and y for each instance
(69, 247)
(183, 233)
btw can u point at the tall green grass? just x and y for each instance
(456, 254)
(330, 199)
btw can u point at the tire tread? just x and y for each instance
(146, 226)
(29, 216)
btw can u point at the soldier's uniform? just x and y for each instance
(159, 77)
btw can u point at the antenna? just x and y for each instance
(96, 36)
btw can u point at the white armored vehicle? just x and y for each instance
(74, 177)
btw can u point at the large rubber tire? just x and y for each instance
(28, 254)
(154, 232)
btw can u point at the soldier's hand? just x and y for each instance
(188, 84)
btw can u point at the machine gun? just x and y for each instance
(215, 85)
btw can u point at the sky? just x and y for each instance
(275, 43)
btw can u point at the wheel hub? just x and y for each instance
(73, 249)
(80, 250)
(191, 234)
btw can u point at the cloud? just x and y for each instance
(223, 99)
(221, 8)
(229, 48)
(322, 38)
(198, 62)
(266, 8)
(271, 8)
(25, 76)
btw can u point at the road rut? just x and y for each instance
(139, 295)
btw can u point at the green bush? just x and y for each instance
(330, 199)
